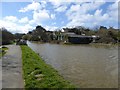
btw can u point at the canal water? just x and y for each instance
(83, 65)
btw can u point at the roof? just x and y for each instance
(80, 36)
(71, 34)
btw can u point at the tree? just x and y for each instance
(26, 37)
(7, 37)
(18, 36)
(39, 34)
(102, 27)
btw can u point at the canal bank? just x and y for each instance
(103, 45)
(38, 74)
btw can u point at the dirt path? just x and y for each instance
(12, 68)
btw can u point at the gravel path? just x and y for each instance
(12, 68)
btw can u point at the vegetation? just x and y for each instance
(7, 37)
(37, 74)
(39, 34)
(106, 35)
(18, 36)
(3, 51)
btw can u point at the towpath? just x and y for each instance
(12, 68)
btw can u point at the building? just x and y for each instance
(78, 39)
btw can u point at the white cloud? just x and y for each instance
(99, 17)
(15, 28)
(98, 12)
(12, 24)
(43, 3)
(60, 1)
(33, 6)
(24, 20)
(78, 15)
(113, 11)
(84, 7)
(11, 18)
(31, 22)
(60, 5)
(75, 22)
(75, 7)
(113, 6)
(39, 13)
(56, 3)
(90, 20)
(40, 16)
(52, 16)
(51, 28)
(61, 9)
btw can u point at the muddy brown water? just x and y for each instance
(83, 65)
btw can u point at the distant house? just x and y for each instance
(78, 39)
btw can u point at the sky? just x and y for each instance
(23, 16)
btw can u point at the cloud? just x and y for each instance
(14, 27)
(40, 16)
(24, 20)
(58, 0)
(78, 15)
(39, 12)
(90, 20)
(113, 10)
(60, 5)
(52, 16)
(84, 7)
(56, 3)
(11, 18)
(76, 1)
(13, 24)
(61, 9)
(51, 28)
(33, 6)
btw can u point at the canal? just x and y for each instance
(83, 65)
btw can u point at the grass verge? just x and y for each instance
(38, 74)
(3, 51)
(96, 45)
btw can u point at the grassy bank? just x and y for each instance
(3, 51)
(97, 45)
(37, 74)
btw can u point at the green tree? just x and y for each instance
(7, 37)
